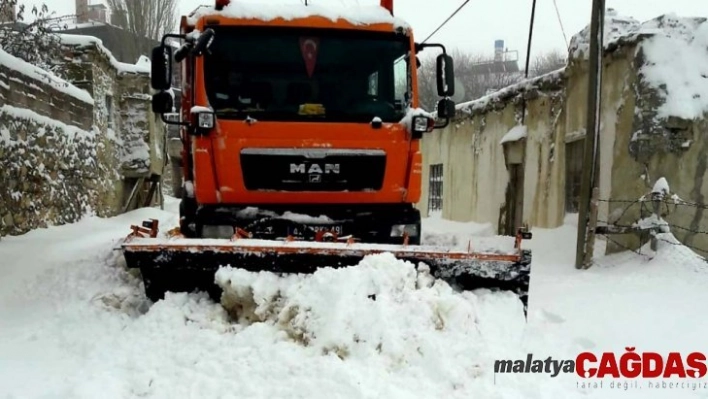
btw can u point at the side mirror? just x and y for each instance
(445, 76)
(446, 109)
(203, 42)
(161, 68)
(162, 102)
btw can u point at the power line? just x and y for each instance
(446, 21)
(528, 56)
(560, 21)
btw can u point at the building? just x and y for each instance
(516, 157)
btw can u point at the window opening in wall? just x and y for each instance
(109, 111)
(435, 187)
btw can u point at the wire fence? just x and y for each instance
(644, 218)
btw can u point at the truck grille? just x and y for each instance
(313, 169)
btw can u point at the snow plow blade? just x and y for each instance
(196, 260)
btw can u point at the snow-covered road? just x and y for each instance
(75, 324)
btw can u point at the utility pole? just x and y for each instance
(591, 169)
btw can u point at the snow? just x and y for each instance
(616, 27)
(515, 134)
(354, 14)
(45, 77)
(524, 85)
(77, 325)
(677, 66)
(661, 186)
(140, 67)
(144, 62)
(199, 109)
(23, 113)
(675, 51)
(411, 113)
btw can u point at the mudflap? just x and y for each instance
(191, 263)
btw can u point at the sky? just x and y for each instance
(481, 22)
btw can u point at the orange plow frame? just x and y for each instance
(165, 258)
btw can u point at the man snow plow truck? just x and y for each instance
(301, 138)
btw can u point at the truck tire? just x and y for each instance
(177, 187)
(188, 216)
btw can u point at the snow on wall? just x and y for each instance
(676, 65)
(500, 97)
(44, 77)
(135, 152)
(124, 99)
(141, 67)
(354, 14)
(674, 59)
(53, 173)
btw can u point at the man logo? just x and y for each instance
(314, 169)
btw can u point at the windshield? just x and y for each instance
(288, 74)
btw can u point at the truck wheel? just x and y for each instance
(177, 188)
(187, 216)
(155, 286)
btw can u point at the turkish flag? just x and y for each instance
(309, 46)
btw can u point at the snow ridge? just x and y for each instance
(45, 77)
(142, 66)
(357, 15)
(675, 58)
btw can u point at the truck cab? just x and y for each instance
(299, 123)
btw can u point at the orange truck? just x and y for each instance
(301, 133)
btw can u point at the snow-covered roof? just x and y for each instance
(354, 14)
(675, 58)
(525, 85)
(45, 77)
(516, 133)
(676, 65)
(674, 62)
(141, 67)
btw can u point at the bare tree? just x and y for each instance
(150, 19)
(476, 76)
(33, 42)
(548, 62)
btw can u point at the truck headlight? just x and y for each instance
(205, 120)
(221, 231)
(399, 229)
(420, 124)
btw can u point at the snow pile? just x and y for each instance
(144, 63)
(442, 233)
(616, 27)
(354, 14)
(45, 77)
(675, 51)
(140, 67)
(383, 310)
(676, 65)
(670, 251)
(515, 134)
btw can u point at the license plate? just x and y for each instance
(337, 229)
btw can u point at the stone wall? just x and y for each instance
(53, 168)
(638, 145)
(71, 149)
(123, 110)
